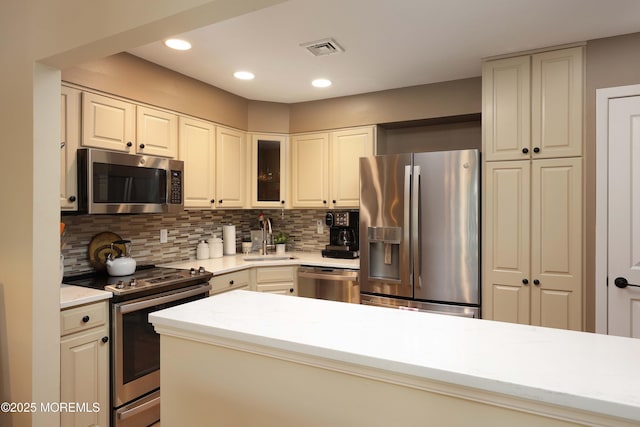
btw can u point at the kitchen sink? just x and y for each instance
(268, 258)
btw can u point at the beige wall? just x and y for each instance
(611, 62)
(451, 98)
(268, 117)
(134, 78)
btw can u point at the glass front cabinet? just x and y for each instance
(269, 174)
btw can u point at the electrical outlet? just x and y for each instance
(163, 235)
(319, 226)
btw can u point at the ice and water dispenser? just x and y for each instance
(384, 253)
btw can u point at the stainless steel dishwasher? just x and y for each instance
(333, 284)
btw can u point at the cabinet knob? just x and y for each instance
(536, 149)
(129, 144)
(324, 202)
(85, 319)
(141, 145)
(105, 339)
(525, 281)
(536, 282)
(220, 201)
(72, 198)
(213, 200)
(291, 290)
(525, 150)
(62, 145)
(334, 202)
(230, 282)
(282, 202)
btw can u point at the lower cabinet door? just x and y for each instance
(84, 374)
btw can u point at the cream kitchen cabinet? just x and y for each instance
(84, 363)
(533, 105)
(278, 280)
(118, 125)
(214, 159)
(197, 149)
(269, 171)
(533, 242)
(325, 167)
(69, 142)
(230, 281)
(231, 165)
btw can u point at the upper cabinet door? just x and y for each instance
(506, 109)
(69, 141)
(230, 168)
(310, 171)
(157, 132)
(197, 150)
(107, 123)
(269, 173)
(556, 96)
(346, 149)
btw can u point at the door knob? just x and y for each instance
(622, 282)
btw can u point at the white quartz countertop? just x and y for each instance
(71, 296)
(592, 372)
(229, 263)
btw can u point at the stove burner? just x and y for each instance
(146, 281)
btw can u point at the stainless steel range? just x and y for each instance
(135, 346)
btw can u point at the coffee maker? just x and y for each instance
(343, 235)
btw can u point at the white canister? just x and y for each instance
(215, 247)
(202, 250)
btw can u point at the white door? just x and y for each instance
(624, 216)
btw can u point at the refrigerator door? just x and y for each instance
(385, 261)
(446, 263)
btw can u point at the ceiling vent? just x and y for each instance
(323, 47)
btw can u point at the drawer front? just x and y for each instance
(229, 281)
(81, 318)
(276, 274)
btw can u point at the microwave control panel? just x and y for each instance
(175, 196)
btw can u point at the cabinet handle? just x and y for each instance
(105, 339)
(536, 149)
(525, 150)
(129, 144)
(72, 198)
(230, 282)
(536, 282)
(525, 281)
(141, 145)
(85, 319)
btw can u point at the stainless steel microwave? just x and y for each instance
(115, 183)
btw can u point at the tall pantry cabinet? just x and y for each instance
(532, 189)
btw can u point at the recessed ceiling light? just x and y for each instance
(243, 75)
(321, 83)
(177, 44)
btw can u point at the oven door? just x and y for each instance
(136, 345)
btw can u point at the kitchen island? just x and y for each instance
(254, 359)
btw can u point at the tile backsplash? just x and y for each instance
(184, 231)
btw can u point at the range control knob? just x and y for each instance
(133, 282)
(201, 270)
(192, 271)
(120, 284)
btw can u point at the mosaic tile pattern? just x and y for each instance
(184, 231)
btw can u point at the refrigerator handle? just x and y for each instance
(415, 227)
(406, 232)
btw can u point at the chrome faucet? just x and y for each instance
(265, 223)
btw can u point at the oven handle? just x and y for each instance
(141, 408)
(153, 301)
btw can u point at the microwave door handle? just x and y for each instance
(153, 301)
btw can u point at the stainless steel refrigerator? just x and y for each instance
(419, 231)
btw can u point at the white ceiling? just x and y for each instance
(388, 43)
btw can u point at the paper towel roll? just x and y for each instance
(229, 239)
